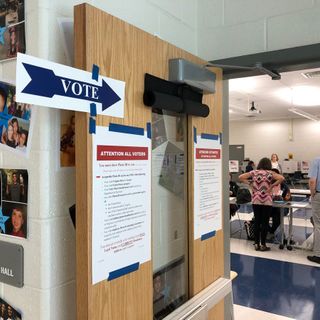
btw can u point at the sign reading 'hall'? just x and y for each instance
(11, 264)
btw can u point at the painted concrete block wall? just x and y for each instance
(174, 21)
(239, 27)
(50, 248)
(262, 138)
(49, 291)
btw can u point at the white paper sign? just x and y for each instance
(207, 187)
(54, 85)
(121, 203)
(233, 166)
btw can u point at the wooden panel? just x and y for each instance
(126, 53)
(206, 257)
(217, 313)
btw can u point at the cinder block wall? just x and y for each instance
(229, 28)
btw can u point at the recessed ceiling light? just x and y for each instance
(242, 85)
(307, 96)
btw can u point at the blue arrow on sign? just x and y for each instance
(45, 83)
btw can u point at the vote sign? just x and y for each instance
(44, 83)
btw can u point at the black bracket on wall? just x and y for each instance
(180, 98)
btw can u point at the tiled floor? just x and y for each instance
(278, 284)
(242, 313)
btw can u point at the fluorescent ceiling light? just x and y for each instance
(244, 85)
(303, 114)
(307, 96)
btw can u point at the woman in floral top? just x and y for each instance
(262, 181)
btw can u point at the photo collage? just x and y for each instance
(67, 139)
(12, 28)
(8, 312)
(14, 202)
(14, 120)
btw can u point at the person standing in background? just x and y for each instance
(263, 181)
(233, 190)
(314, 186)
(250, 166)
(275, 162)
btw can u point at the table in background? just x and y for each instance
(303, 192)
(290, 205)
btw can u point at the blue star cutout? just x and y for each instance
(2, 31)
(3, 219)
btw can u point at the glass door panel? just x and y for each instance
(169, 212)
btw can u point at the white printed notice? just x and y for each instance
(207, 186)
(121, 207)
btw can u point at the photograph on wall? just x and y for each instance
(8, 312)
(15, 121)
(67, 136)
(12, 28)
(14, 202)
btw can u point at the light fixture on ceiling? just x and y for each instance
(311, 74)
(253, 109)
(302, 96)
(304, 114)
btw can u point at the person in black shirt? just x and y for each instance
(233, 190)
(250, 166)
(275, 213)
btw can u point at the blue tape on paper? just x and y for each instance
(2, 31)
(149, 130)
(121, 272)
(92, 125)
(93, 110)
(195, 134)
(208, 235)
(220, 136)
(126, 129)
(209, 136)
(95, 72)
